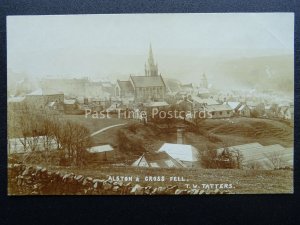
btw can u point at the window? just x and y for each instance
(221, 113)
(213, 113)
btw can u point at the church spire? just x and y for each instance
(150, 57)
(151, 69)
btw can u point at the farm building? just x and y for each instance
(187, 154)
(102, 152)
(157, 160)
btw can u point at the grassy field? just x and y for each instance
(96, 124)
(245, 130)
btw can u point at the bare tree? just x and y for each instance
(238, 157)
(276, 158)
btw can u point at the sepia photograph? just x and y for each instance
(150, 104)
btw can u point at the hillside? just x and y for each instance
(274, 73)
(214, 133)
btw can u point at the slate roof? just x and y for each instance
(217, 108)
(172, 85)
(158, 159)
(180, 151)
(125, 86)
(101, 148)
(147, 81)
(208, 101)
(233, 105)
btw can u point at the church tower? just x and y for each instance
(204, 83)
(151, 68)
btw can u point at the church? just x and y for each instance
(151, 86)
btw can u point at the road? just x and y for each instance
(106, 128)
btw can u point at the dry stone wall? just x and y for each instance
(29, 180)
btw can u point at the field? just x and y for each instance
(245, 130)
(94, 125)
(232, 131)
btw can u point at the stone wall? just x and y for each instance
(29, 180)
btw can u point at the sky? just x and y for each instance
(113, 45)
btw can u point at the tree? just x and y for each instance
(276, 159)
(254, 113)
(238, 157)
(208, 157)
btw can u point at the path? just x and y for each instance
(106, 128)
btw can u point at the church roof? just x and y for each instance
(125, 86)
(147, 81)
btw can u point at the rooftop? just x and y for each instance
(215, 108)
(208, 101)
(148, 81)
(158, 159)
(180, 151)
(101, 148)
(45, 92)
(125, 86)
(233, 105)
(156, 104)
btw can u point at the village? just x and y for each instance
(144, 101)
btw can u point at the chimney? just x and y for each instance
(180, 135)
